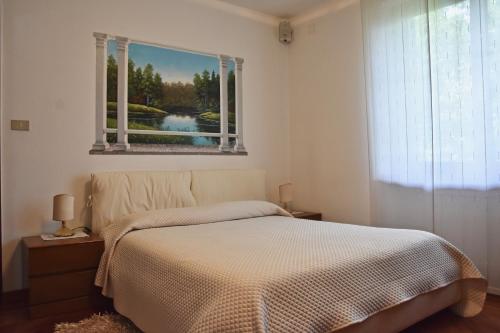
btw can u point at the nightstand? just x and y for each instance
(308, 216)
(61, 274)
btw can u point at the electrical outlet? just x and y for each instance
(20, 125)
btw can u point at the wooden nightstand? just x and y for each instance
(308, 216)
(61, 274)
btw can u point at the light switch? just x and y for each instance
(20, 125)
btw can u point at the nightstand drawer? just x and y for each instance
(60, 259)
(48, 288)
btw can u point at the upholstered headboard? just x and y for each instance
(213, 186)
(115, 194)
(120, 193)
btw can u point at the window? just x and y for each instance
(158, 99)
(432, 92)
(433, 109)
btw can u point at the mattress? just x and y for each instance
(250, 267)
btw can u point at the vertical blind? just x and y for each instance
(433, 101)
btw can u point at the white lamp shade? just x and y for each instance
(63, 207)
(286, 194)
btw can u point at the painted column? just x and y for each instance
(224, 109)
(239, 147)
(122, 99)
(101, 90)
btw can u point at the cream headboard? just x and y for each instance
(115, 194)
(213, 186)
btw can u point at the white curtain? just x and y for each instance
(433, 97)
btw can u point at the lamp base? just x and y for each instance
(64, 231)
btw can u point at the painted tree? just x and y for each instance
(157, 90)
(139, 86)
(207, 91)
(148, 84)
(178, 95)
(231, 88)
(146, 87)
(214, 92)
(132, 85)
(112, 78)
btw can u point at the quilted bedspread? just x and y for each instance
(250, 267)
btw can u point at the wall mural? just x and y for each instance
(169, 90)
(153, 99)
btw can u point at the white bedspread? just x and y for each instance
(239, 267)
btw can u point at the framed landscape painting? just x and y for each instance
(169, 90)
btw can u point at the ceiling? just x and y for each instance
(279, 8)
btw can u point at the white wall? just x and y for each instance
(50, 78)
(329, 160)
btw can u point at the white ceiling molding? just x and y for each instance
(314, 12)
(241, 11)
(284, 9)
(321, 10)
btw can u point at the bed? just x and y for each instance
(203, 251)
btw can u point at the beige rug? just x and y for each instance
(99, 323)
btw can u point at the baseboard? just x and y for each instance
(15, 297)
(494, 291)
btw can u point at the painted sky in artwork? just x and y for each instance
(173, 65)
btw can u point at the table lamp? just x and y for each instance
(63, 211)
(286, 195)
